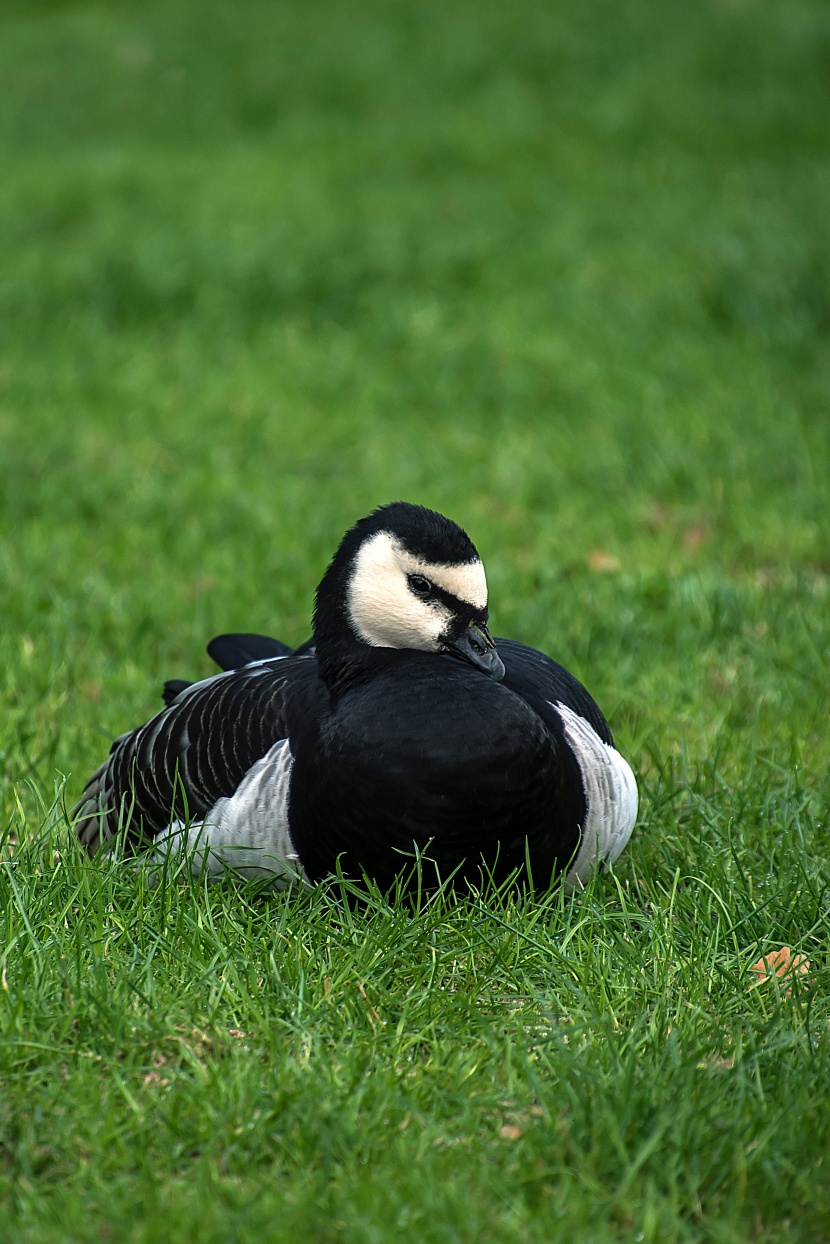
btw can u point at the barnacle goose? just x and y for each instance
(401, 730)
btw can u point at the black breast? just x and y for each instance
(431, 754)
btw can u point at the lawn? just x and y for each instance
(561, 271)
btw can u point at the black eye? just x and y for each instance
(420, 586)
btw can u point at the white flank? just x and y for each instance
(247, 832)
(384, 611)
(610, 794)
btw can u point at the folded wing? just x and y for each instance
(196, 751)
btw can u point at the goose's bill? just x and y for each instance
(477, 647)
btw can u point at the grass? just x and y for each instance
(562, 272)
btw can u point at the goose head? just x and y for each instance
(404, 577)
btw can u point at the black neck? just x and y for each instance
(341, 656)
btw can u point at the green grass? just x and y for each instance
(563, 272)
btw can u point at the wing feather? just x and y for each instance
(195, 751)
(542, 683)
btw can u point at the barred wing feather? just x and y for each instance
(196, 751)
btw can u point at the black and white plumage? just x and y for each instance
(401, 728)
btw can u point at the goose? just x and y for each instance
(401, 731)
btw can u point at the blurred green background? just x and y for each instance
(561, 270)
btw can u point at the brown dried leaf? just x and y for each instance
(781, 964)
(693, 537)
(716, 1063)
(372, 1011)
(603, 562)
(201, 584)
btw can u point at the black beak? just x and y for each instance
(476, 646)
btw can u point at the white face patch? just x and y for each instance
(385, 612)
